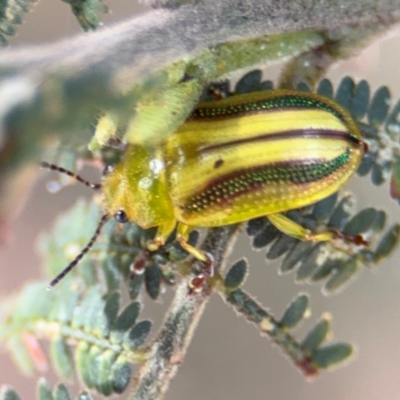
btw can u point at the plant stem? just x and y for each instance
(170, 346)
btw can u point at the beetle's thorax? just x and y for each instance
(137, 185)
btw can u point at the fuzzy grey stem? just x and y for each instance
(311, 66)
(100, 67)
(151, 41)
(169, 348)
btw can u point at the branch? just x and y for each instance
(100, 67)
(169, 348)
(308, 358)
(150, 42)
(269, 326)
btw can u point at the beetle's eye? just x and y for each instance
(121, 217)
(108, 169)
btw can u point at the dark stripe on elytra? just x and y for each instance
(241, 182)
(283, 103)
(297, 133)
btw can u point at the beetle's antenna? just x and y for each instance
(53, 167)
(73, 264)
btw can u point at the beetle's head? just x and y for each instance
(117, 196)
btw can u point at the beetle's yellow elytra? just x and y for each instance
(238, 158)
(284, 150)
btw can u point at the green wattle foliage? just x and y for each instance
(87, 333)
(332, 262)
(44, 392)
(87, 12)
(91, 319)
(11, 15)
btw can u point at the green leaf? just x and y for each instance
(361, 222)
(61, 357)
(87, 12)
(323, 209)
(153, 276)
(344, 92)
(326, 269)
(120, 375)
(368, 131)
(310, 262)
(266, 236)
(283, 244)
(249, 82)
(342, 212)
(7, 393)
(82, 362)
(105, 364)
(236, 276)
(378, 174)
(380, 221)
(393, 121)
(325, 88)
(137, 335)
(111, 311)
(316, 336)
(295, 255)
(303, 87)
(266, 85)
(44, 390)
(61, 393)
(388, 243)
(366, 164)
(20, 355)
(125, 321)
(332, 355)
(342, 274)
(379, 107)
(295, 312)
(360, 101)
(112, 266)
(255, 225)
(134, 286)
(94, 356)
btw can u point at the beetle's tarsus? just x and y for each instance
(358, 240)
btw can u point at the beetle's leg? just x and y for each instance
(182, 236)
(291, 228)
(163, 232)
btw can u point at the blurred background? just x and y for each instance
(227, 358)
